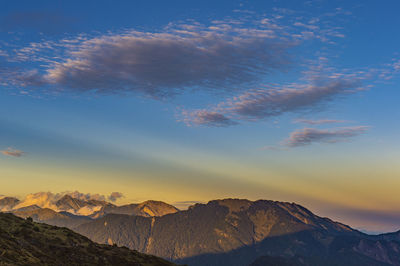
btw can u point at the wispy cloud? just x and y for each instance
(319, 121)
(12, 152)
(264, 103)
(218, 55)
(307, 136)
(165, 64)
(208, 118)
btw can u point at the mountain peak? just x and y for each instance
(156, 208)
(238, 231)
(149, 208)
(8, 203)
(234, 205)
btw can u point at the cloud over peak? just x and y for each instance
(114, 196)
(50, 200)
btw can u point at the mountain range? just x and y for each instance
(70, 212)
(242, 232)
(23, 242)
(235, 232)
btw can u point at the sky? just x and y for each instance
(189, 101)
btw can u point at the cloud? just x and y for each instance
(49, 200)
(263, 103)
(114, 196)
(220, 55)
(41, 199)
(390, 70)
(12, 152)
(257, 104)
(319, 122)
(166, 63)
(81, 196)
(307, 136)
(234, 56)
(209, 118)
(396, 65)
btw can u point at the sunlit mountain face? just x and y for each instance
(148, 108)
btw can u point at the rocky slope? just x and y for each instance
(23, 242)
(237, 232)
(148, 208)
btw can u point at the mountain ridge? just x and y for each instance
(234, 232)
(237, 232)
(70, 211)
(23, 242)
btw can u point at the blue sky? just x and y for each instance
(184, 100)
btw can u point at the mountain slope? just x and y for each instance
(237, 232)
(8, 203)
(71, 212)
(26, 243)
(46, 215)
(148, 208)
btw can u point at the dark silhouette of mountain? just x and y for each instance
(148, 208)
(23, 242)
(238, 232)
(395, 236)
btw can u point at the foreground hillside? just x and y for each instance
(240, 232)
(23, 242)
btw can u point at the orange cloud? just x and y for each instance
(12, 152)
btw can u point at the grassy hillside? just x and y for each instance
(23, 242)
